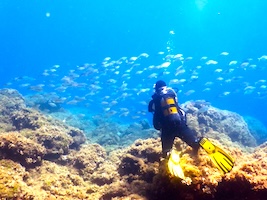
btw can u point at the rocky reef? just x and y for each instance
(257, 129)
(44, 158)
(229, 124)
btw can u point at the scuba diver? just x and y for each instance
(170, 119)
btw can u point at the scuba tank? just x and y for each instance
(169, 107)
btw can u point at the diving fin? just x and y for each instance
(219, 157)
(174, 165)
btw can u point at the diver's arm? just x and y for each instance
(151, 106)
(156, 122)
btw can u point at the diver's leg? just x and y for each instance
(188, 136)
(167, 139)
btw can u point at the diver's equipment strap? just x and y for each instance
(170, 111)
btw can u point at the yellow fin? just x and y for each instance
(223, 161)
(174, 165)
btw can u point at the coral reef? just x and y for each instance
(43, 158)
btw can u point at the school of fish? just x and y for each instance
(123, 87)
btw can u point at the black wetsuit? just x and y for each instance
(171, 127)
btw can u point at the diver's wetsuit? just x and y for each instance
(171, 127)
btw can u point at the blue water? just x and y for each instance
(36, 35)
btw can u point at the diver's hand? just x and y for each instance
(174, 165)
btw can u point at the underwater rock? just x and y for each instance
(106, 133)
(78, 137)
(20, 149)
(53, 181)
(47, 159)
(108, 139)
(257, 129)
(48, 103)
(141, 160)
(89, 156)
(56, 137)
(105, 174)
(131, 165)
(225, 122)
(113, 136)
(203, 180)
(136, 172)
(25, 119)
(132, 129)
(56, 142)
(11, 101)
(49, 106)
(118, 190)
(99, 120)
(12, 181)
(248, 178)
(87, 160)
(145, 124)
(74, 120)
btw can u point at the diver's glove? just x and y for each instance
(174, 164)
